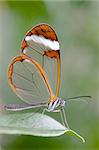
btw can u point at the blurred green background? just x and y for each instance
(77, 26)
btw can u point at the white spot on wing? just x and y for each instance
(26, 60)
(25, 50)
(54, 45)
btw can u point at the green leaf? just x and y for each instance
(76, 134)
(32, 124)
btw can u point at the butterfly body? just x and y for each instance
(53, 105)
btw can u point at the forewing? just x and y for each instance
(41, 43)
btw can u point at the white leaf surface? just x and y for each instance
(35, 124)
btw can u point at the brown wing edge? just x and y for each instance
(43, 29)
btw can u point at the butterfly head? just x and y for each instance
(57, 103)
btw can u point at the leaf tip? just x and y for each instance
(77, 135)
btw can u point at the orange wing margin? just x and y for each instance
(22, 58)
(47, 32)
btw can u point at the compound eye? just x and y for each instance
(53, 103)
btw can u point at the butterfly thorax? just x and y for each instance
(55, 104)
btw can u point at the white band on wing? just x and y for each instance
(54, 45)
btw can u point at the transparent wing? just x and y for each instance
(41, 43)
(50, 67)
(28, 81)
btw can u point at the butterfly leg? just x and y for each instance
(62, 114)
(45, 109)
(57, 110)
(63, 117)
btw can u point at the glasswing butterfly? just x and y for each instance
(35, 75)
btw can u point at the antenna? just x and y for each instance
(77, 97)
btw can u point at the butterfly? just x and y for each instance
(34, 75)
